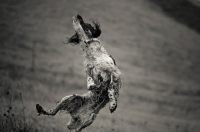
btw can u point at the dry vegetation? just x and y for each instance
(157, 54)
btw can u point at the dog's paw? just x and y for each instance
(112, 107)
(40, 110)
(91, 87)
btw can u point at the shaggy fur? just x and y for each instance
(103, 80)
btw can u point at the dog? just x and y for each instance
(102, 74)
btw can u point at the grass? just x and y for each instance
(157, 54)
(13, 118)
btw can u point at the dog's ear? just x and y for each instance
(97, 29)
(73, 39)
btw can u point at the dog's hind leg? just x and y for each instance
(73, 123)
(86, 121)
(52, 112)
(69, 103)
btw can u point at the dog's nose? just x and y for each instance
(78, 16)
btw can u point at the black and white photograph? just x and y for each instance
(100, 66)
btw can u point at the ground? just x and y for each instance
(157, 54)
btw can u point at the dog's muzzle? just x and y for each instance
(78, 28)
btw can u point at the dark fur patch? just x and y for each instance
(113, 59)
(74, 39)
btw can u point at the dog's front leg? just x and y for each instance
(112, 100)
(112, 95)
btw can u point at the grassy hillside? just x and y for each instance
(183, 11)
(157, 55)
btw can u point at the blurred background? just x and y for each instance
(156, 45)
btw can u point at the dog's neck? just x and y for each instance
(93, 48)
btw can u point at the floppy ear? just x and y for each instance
(97, 29)
(73, 39)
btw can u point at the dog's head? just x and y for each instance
(84, 31)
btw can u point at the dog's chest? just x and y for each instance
(99, 66)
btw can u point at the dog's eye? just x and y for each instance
(88, 31)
